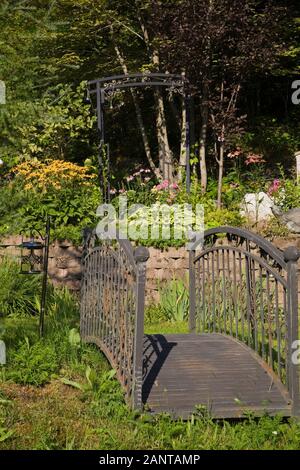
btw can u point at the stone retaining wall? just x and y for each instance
(163, 265)
(64, 261)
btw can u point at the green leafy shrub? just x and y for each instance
(32, 360)
(50, 128)
(276, 141)
(12, 198)
(174, 301)
(173, 306)
(18, 292)
(33, 364)
(62, 323)
(285, 192)
(152, 200)
(63, 190)
(274, 228)
(14, 330)
(70, 232)
(154, 314)
(221, 217)
(63, 306)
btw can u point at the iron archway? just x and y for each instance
(100, 90)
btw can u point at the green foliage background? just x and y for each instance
(48, 49)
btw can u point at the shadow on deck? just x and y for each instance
(210, 370)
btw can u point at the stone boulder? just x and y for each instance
(257, 207)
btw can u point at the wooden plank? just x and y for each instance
(183, 371)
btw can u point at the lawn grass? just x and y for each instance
(68, 398)
(166, 328)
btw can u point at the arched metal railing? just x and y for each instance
(242, 286)
(112, 307)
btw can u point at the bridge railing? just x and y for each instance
(112, 307)
(242, 286)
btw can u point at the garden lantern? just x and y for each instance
(32, 257)
(34, 260)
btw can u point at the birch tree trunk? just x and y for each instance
(182, 160)
(230, 109)
(221, 171)
(147, 148)
(202, 147)
(164, 150)
(221, 153)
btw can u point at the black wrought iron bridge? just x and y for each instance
(240, 354)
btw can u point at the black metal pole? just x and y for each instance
(45, 278)
(108, 172)
(141, 256)
(100, 123)
(291, 256)
(192, 290)
(188, 145)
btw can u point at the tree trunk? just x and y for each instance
(221, 171)
(147, 148)
(220, 160)
(204, 119)
(164, 151)
(155, 170)
(230, 108)
(203, 139)
(182, 160)
(192, 122)
(202, 148)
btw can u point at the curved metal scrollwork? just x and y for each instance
(112, 307)
(242, 286)
(176, 83)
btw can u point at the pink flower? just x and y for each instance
(253, 158)
(122, 191)
(163, 185)
(274, 187)
(113, 191)
(129, 178)
(174, 186)
(236, 153)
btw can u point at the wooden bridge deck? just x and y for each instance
(212, 370)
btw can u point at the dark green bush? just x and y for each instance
(32, 364)
(18, 292)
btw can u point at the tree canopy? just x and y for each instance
(240, 58)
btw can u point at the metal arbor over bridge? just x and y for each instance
(238, 356)
(102, 90)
